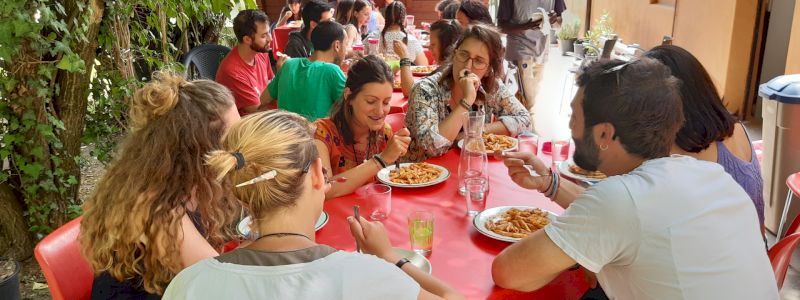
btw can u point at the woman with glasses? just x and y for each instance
(444, 34)
(272, 166)
(355, 142)
(467, 82)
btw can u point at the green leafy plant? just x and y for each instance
(603, 28)
(569, 31)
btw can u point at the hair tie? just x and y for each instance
(239, 160)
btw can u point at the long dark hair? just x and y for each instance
(395, 14)
(476, 11)
(370, 69)
(488, 35)
(707, 119)
(288, 7)
(448, 33)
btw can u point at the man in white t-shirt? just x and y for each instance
(661, 226)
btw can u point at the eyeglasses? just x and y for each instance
(477, 62)
(618, 69)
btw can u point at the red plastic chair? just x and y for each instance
(780, 255)
(68, 274)
(397, 121)
(793, 182)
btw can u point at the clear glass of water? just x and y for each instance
(560, 151)
(475, 195)
(528, 142)
(420, 231)
(379, 199)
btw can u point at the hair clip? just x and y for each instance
(263, 177)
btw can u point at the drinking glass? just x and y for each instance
(409, 20)
(560, 151)
(379, 200)
(528, 142)
(420, 231)
(475, 195)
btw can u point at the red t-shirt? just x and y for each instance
(246, 82)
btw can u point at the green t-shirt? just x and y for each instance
(307, 88)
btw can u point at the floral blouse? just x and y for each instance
(343, 157)
(428, 105)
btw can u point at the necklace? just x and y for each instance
(282, 234)
(366, 151)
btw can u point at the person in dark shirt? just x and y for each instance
(314, 12)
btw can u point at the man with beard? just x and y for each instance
(309, 86)
(246, 70)
(661, 226)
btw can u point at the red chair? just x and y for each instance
(780, 255)
(68, 274)
(793, 182)
(397, 121)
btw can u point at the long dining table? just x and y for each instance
(461, 256)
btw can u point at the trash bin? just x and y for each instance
(781, 149)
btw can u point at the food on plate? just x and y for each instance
(518, 223)
(423, 69)
(415, 174)
(494, 142)
(397, 84)
(589, 174)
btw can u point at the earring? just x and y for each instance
(603, 147)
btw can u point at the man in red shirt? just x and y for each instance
(246, 70)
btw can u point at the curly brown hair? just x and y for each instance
(131, 225)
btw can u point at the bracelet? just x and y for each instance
(464, 104)
(380, 161)
(547, 190)
(406, 62)
(554, 190)
(402, 262)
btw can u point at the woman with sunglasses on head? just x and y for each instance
(468, 80)
(444, 34)
(272, 162)
(355, 142)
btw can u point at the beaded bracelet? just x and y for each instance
(406, 62)
(554, 190)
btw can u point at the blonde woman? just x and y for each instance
(271, 159)
(158, 208)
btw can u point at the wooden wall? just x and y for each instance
(793, 57)
(718, 32)
(272, 7)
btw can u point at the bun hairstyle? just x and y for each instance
(273, 140)
(132, 222)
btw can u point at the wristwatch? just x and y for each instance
(402, 262)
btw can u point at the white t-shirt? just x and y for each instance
(340, 275)
(673, 228)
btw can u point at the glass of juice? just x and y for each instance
(420, 231)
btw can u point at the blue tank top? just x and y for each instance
(747, 174)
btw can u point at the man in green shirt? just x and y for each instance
(309, 86)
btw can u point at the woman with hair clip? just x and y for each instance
(278, 175)
(466, 82)
(355, 142)
(444, 34)
(395, 30)
(354, 14)
(290, 12)
(158, 208)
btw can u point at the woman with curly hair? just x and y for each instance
(159, 209)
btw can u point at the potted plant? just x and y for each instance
(9, 279)
(567, 36)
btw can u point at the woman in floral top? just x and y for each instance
(355, 142)
(437, 102)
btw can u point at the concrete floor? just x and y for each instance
(551, 118)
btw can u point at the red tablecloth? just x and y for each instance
(399, 103)
(461, 256)
(280, 36)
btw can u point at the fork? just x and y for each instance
(358, 219)
(397, 167)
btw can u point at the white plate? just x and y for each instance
(422, 70)
(244, 224)
(563, 168)
(415, 258)
(383, 176)
(479, 221)
(516, 145)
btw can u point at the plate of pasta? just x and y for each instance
(569, 169)
(413, 175)
(511, 223)
(492, 142)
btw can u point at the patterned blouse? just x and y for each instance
(343, 157)
(428, 105)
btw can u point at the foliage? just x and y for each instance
(603, 28)
(569, 31)
(38, 44)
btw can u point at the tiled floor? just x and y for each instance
(551, 117)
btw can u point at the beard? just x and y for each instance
(259, 49)
(587, 154)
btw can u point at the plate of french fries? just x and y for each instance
(569, 169)
(413, 175)
(492, 142)
(511, 223)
